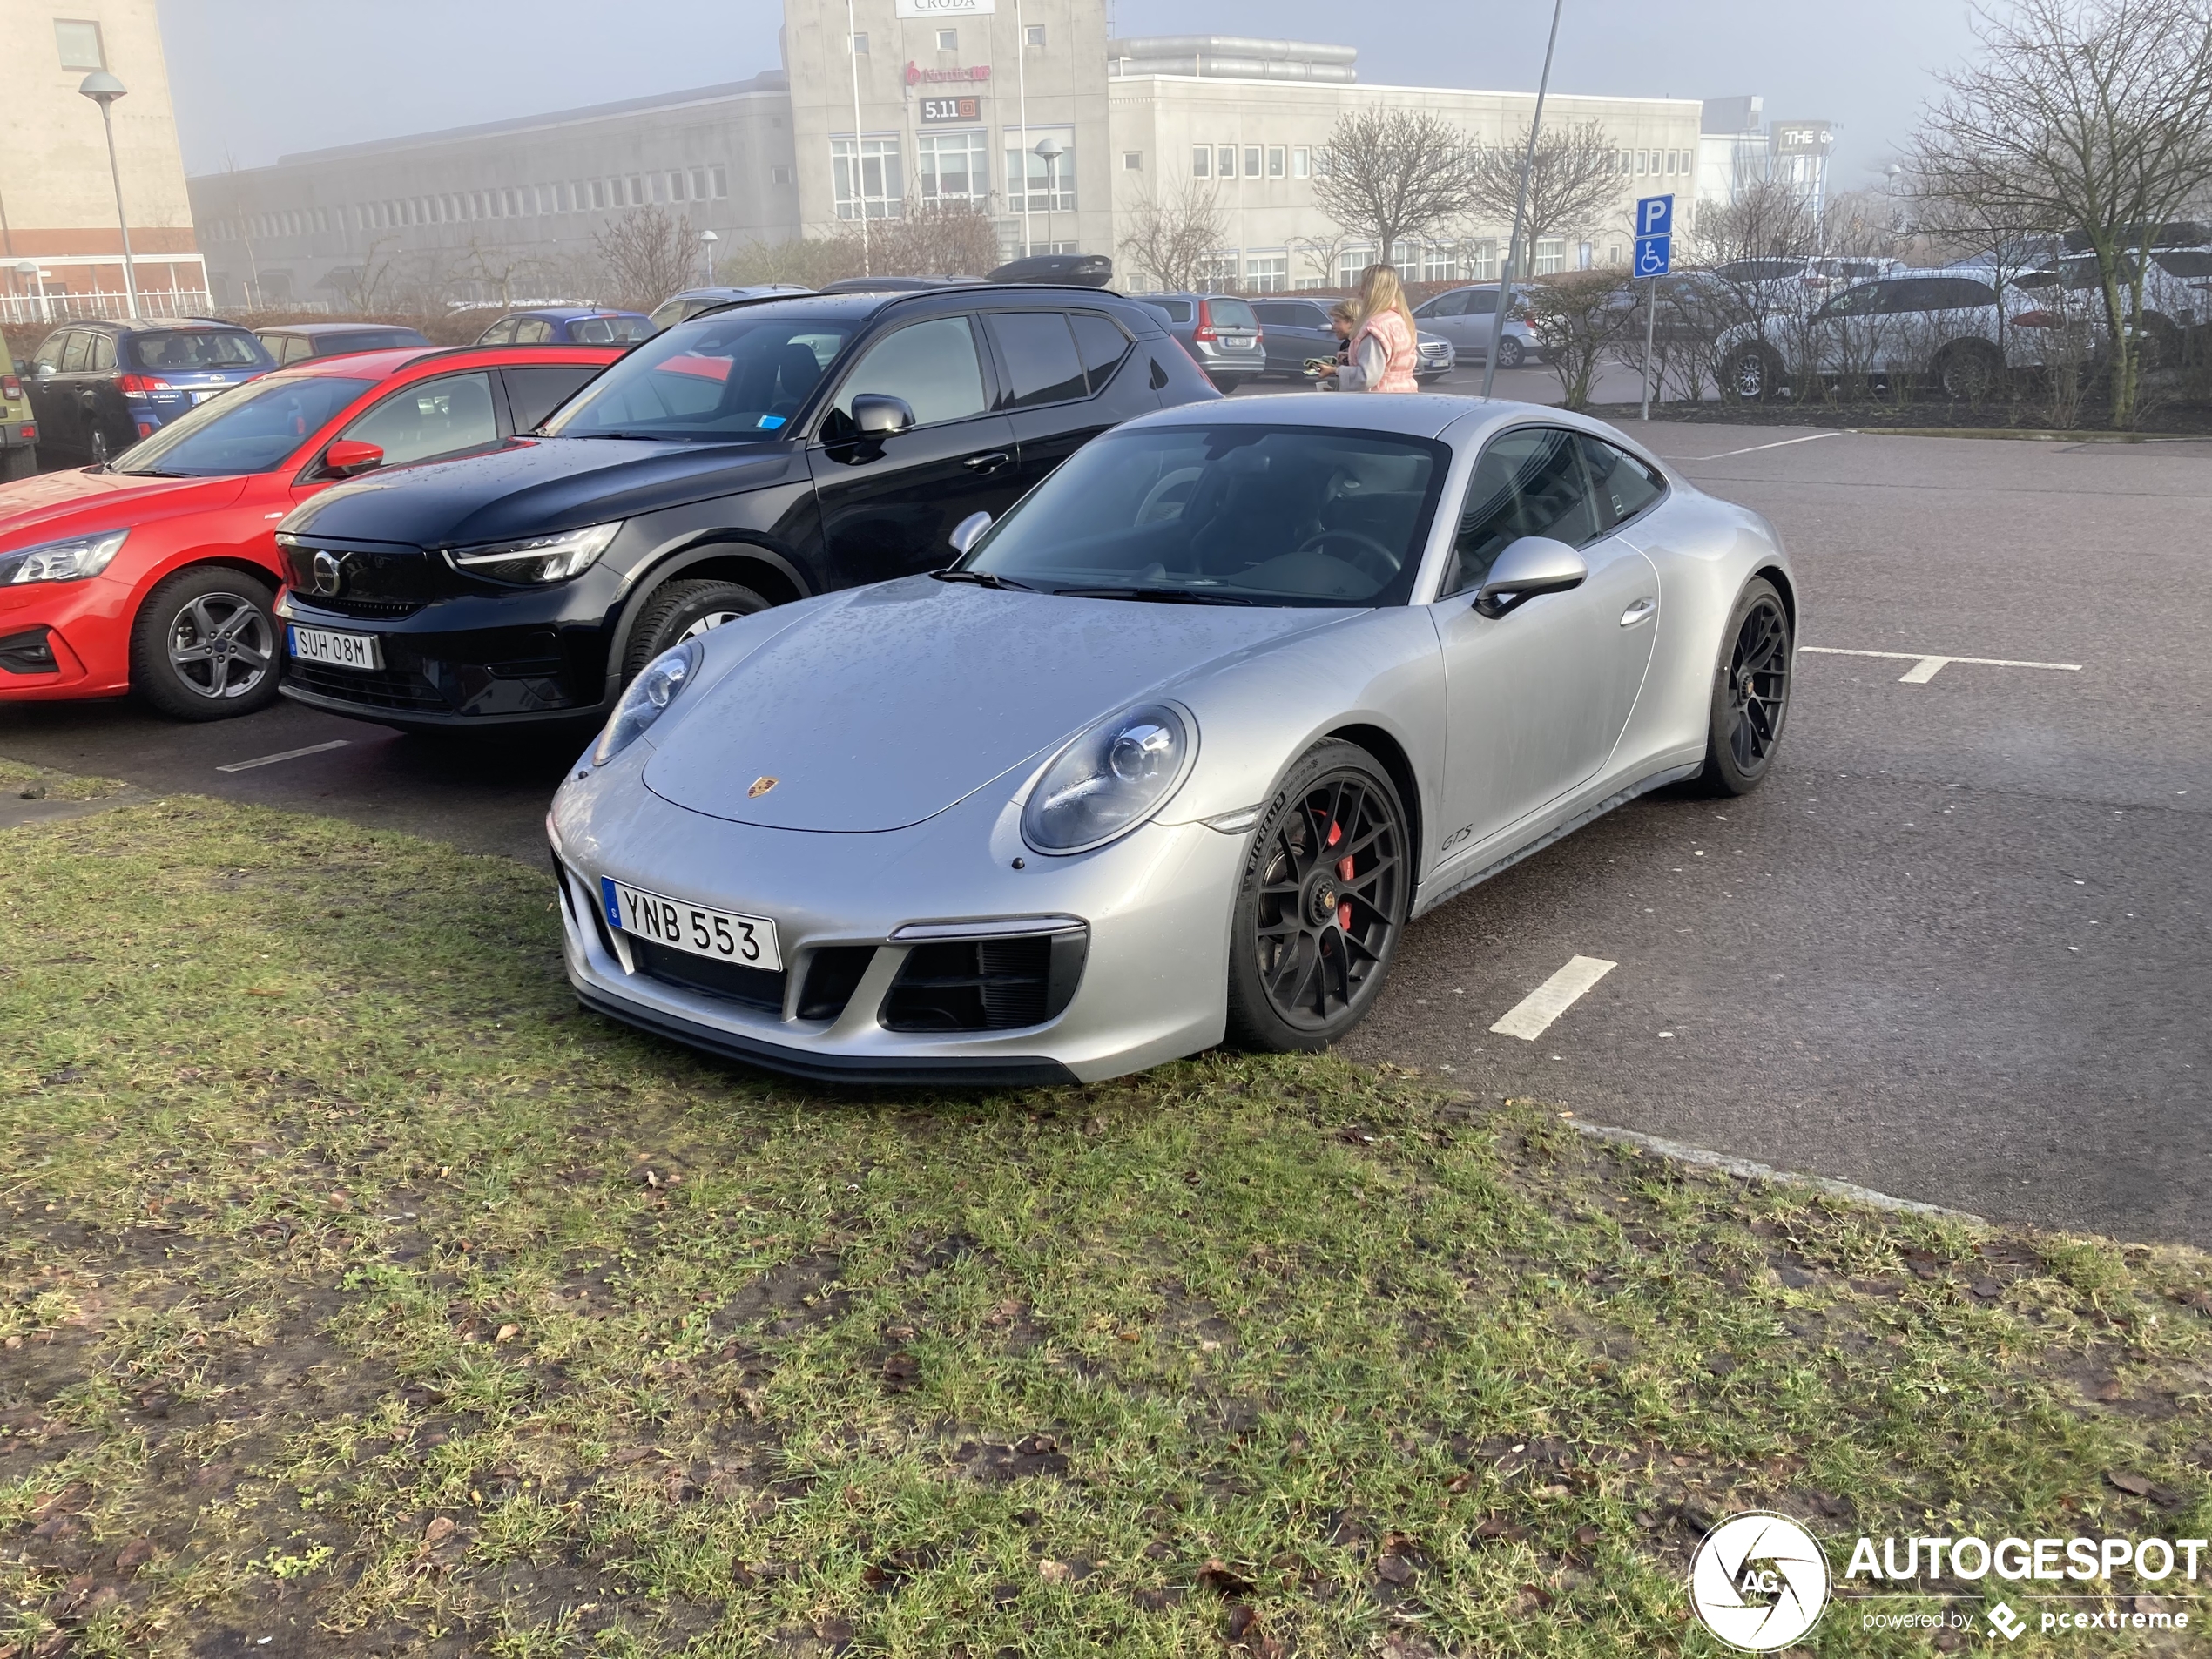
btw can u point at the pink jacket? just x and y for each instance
(1382, 355)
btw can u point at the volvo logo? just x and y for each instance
(330, 578)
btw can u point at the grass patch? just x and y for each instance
(361, 1293)
(21, 780)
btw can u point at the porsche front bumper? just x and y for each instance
(1144, 923)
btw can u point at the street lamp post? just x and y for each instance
(707, 240)
(1050, 149)
(1519, 206)
(104, 89)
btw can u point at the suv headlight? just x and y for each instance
(540, 559)
(70, 561)
(647, 699)
(1109, 779)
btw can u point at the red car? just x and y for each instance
(157, 573)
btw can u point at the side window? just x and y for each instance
(1040, 357)
(1529, 483)
(932, 365)
(533, 331)
(50, 354)
(77, 352)
(1100, 343)
(500, 334)
(533, 393)
(102, 358)
(431, 418)
(298, 349)
(1454, 303)
(1623, 485)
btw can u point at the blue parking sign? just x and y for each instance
(1654, 216)
(1654, 254)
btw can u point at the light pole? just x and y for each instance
(707, 240)
(1520, 206)
(1050, 149)
(28, 271)
(104, 89)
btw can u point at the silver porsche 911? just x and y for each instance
(1172, 752)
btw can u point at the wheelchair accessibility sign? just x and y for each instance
(1655, 235)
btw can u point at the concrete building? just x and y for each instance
(1737, 148)
(57, 211)
(1023, 109)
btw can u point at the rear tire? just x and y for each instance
(1750, 702)
(1970, 371)
(684, 610)
(1309, 945)
(1752, 374)
(204, 646)
(1511, 352)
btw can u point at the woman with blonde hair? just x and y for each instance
(1383, 350)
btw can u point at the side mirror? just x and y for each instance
(44, 371)
(968, 531)
(878, 414)
(1529, 566)
(347, 456)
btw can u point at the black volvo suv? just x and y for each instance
(753, 455)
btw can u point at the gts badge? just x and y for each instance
(1462, 834)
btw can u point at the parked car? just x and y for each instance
(1468, 317)
(1292, 331)
(567, 326)
(97, 388)
(682, 307)
(295, 342)
(159, 572)
(1082, 270)
(1936, 327)
(1175, 753)
(747, 458)
(1220, 332)
(18, 427)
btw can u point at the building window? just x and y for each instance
(1613, 254)
(1301, 163)
(955, 166)
(1252, 161)
(860, 45)
(1217, 271)
(1325, 165)
(637, 197)
(1201, 162)
(1050, 189)
(1224, 160)
(722, 181)
(777, 175)
(698, 184)
(1479, 261)
(1267, 272)
(867, 175)
(1551, 255)
(1034, 35)
(79, 44)
(949, 40)
(1671, 163)
(1440, 263)
(1278, 161)
(1350, 263)
(1132, 161)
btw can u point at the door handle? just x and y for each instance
(1641, 611)
(990, 462)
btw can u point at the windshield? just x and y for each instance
(1289, 515)
(251, 429)
(200, 349)
(716, 379)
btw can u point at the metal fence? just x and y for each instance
(64, 308)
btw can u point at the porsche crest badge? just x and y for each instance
(761, 786)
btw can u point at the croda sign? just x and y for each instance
(946, 8)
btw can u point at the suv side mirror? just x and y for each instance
(878, 414)
(44, 371)
(968, 531)
(347, 456)
(1531, 565)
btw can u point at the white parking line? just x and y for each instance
(289, 754)
(1779, 443)
(1926, 665)
(1532, 1016)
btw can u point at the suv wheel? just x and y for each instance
(684, 610)
(204, 646)
(1970, 370)
(1752, 375)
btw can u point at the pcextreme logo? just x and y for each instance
(1758, 1581)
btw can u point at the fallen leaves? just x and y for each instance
(901, 1370)
(1224, 1580)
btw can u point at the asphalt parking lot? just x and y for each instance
(1956, 949)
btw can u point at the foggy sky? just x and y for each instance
(256, 78)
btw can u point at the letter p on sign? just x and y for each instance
(1655, 215)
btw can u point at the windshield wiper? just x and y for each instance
(1162, 595)
(984, 579)
(153, 472)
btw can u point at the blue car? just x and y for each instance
(567, 326)
(97, 388)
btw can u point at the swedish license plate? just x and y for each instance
(750, 941)
(338, 650)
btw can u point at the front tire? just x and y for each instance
(684, 610)
(1752, 374)
(204, 646)
(1970, 372)
(1326, 885)
(1511, 352)
(1751, 701)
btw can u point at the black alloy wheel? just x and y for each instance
(204, 646)
(1327, 882)
(1750, 690)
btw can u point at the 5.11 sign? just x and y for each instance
(969, 108)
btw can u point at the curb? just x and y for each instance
(1746, 1170)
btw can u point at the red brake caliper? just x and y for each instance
(1344, 872)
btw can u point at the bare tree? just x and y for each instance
(644, 255)
(497, 270)
(1393, 174)
(934, 239)
(1323, 250)
(365, 287)
(1170, 237)
(1574, 184)
(1575, 317)
(2092, 119)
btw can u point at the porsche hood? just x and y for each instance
(885, 706)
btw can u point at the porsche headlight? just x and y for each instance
(1110, 779)
(540, 559)
(70, 561)
(647, 699)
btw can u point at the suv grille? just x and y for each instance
(986, 984)
(346, 604)
(381, 688)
